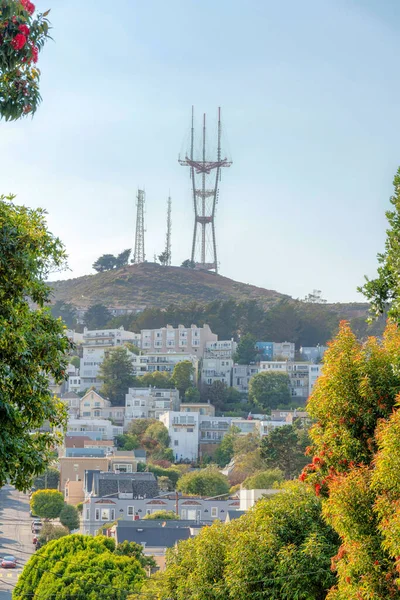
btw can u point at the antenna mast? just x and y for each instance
(139, 254)
(205, 197)
(168, 239)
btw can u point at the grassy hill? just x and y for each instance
(150, 284)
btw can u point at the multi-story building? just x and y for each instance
(220, 349)
(191, 340)
(241, 375)
(314, 372)
(298, 373)
(95, 344)
(276, 350)
(313, 354)
(149, 403)
(212, 430)
(102, 427)
(217, 369)
(203, 408)
(265, 350)
(72, 402)
(183, 431)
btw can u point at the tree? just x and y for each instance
(314, 298)
(127, 442)
(106, 262)
(50, 532)
(97, 316)
(82, 567)
(383, 293)
(284, 448)
(158, 432)
(117, 374)
(182, 376)
(355, 449)
(47, 504)
(188, 264)
(75, 361)
(281, 549)
(123, 258)
(33, 345)
(64, 311)
(192, 394)
(49, 479)
(157, 379)
(263, 480)
(246, 350)
(163, 258)
(270, 390)
(162, 515)
(225, 450)
(69, 517)
(217, 393)
(206, 482)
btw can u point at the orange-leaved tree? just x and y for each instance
(356, 461)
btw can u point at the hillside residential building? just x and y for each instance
(276, 350)
(217, 369)
(128, 497)
(203, 408)
(94, 406)
(212, 430)
(241, 375)
(149, 403)
(183, 430)
(191, 340)
(313, 354)
(220, 349)
(298, 373)
(74, 383)
(72, 402)
(95, 343)
(103, 427)
(314, 372)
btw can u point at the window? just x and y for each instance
(87, 514)
(97, 403)
(183, 513)
(176, 443)
(97, 514)
(105, 514)
(123, 468)
(214, 512)
(112, 514)
(86, 414)
(189, 430)
(130, 511)
(148, 511)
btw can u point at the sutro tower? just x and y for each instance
(205, 175)
(138, 254)
(168, 238)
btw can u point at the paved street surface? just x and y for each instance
(15, 535)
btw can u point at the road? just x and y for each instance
(15, 535)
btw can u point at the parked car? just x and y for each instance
(36, 526)
(9, 562)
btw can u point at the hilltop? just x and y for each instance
(150, 284)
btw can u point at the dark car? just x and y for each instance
(9, 562)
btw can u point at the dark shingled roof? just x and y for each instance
(153, 537)
(140, 485)
(161, 524)
(234, 514)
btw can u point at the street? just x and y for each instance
(15, 535)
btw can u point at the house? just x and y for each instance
(298, 373)
(231, 515)
(190, 340)
(212, 430)
(220, 349)
(203, 408)
(313, 354)
(146, 403)
(183, 431)
(72, 402)
(314, 372)
(241, 375)
(103, 427)
(94, 406)
(130, 496)
(217, 369)
(249, 497)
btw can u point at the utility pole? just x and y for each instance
(139, 255)
(168, 238)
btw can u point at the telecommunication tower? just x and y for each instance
(168, 238)
(139, 254)
(205, 175)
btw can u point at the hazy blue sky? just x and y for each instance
(310, 98)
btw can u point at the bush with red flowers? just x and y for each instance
(22, 36)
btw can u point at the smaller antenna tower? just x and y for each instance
(139, 254)
(168, 238)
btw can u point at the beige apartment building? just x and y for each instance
(190, 340)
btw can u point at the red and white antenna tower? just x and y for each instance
(205, 175)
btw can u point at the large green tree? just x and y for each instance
(246, 351)
(47, 504)
(106, 262)
(117, 374)
(33, 346)
(48, 480)
(279, 550)
(182, 376)
(383, 292)
(226, 449)
(80, 567)
(69, 517)
(97, 316)
(205, 482)
(284, 448)
(269, 390)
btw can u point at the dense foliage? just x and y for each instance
(356, 453)
(116, 372)
(162, 515)
(268, 390)
(205, 482)
(69, 517)
(22, 37)
(49, 479)
(384, 292)
(97, 316)
(50, 532)
(263, 480)
(80, 567)
(33, 346)
(280, 550)
(47, 504)
(66, 312)
(108, 262)
(246, 350)
(149, 434)
(284, 448)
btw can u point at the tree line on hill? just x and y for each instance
(304, 323)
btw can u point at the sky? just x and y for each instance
(310, 106)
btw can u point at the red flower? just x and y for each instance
(14, 19)
(302, 477)
(18, 42)
(24, 29)
(35, 54)
(28, 6)
(318, 489)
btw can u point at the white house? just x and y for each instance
(183, 430)
(314, 372)
(102, 426)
